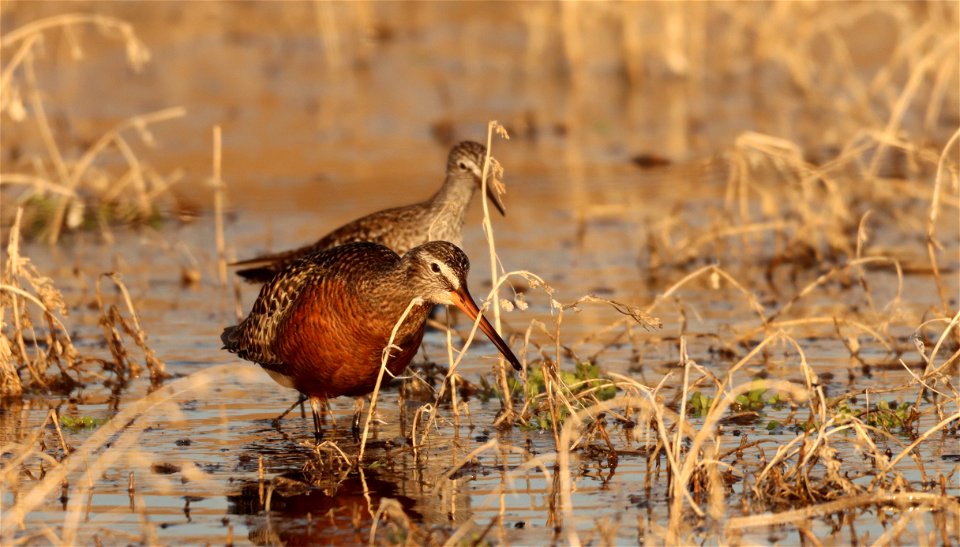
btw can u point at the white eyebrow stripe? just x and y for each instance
(476, 169)
(448, 273)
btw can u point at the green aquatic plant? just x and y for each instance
(82, 422)
(885, 415)
(751, 400)
(585, 377)
(891, 415)
(698, 404)
(584, 386)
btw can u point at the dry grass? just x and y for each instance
(805, 479)
(24, 348)
(36, 350)
(63, 188)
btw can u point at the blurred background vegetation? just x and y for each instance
(107, 106)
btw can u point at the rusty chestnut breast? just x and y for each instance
(320, 326)
(400, 228)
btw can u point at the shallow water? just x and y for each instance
(304, 153)
(225, 429)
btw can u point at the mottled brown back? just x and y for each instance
(324, 321)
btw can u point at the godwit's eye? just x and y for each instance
(435, 267)
(462, 165)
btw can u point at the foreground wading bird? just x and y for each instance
(439, 218)
(321, 325)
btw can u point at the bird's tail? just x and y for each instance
(260, 274)
(231, 338)
(262, 268)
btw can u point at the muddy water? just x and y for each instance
(310, 144)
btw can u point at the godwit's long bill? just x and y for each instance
(462, 300)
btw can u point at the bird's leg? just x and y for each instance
(300, 400)
(328, 413)
(403, 407)
(358, 410)
(315, 405)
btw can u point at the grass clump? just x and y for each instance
(584, 382)
(34, 342)
(585, 376)
(37, 352)
(64, 187)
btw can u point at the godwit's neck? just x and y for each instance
(392, 288)
(393, 292)
(454, 196)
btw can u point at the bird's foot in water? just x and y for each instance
(357, 412)
(355, 428)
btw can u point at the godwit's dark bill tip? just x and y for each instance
(495, 200)
(505, 350)
(464, 301)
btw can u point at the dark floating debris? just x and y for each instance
(650, 161)
(165, 468)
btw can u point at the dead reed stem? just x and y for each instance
(494, 126)
(689, 464)
(110, 317)
(220, 188)
(392, 509)
(71, 178)
(134, 45)
(531, 278)
(919, 440)
(451, 374)
(574, 421)
(824, 278)
(539, 463)
(18, 271)
(951, 328)
(935, 501)
(933, 245)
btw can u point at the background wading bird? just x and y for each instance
(439, 218)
